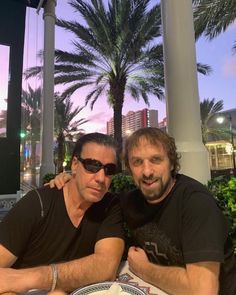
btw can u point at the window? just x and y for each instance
(4, 79)
(224, 159)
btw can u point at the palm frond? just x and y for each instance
(33, 72)
(94, 94)
(71, 89)
(209, 110)
(234, 48)
(213, 17)
(65, 79)
(83, 57)
(204, 69)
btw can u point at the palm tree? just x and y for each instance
(116, 52)
(65, 126)
(214, 17)
(209, 110)
(3, 122)
(30, 123)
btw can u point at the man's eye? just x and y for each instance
(136, 162)
(155, 160)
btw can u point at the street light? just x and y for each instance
(221, 120)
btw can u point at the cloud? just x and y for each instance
(95, 127)
(97, 122)
(100, 117)
(229, 67)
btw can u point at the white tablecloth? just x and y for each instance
(125, 275)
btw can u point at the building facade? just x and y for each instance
(135, 120)
(221, 149)
(221, 146)
(163, 124)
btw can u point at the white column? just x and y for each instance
(182, 98)
(47, 164)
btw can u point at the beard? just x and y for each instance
(157, 190)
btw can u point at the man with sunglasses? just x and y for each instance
(75, 233)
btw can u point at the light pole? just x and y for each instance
(221, 120)
(232, 142)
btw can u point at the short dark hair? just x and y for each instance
(96, 137)
(154, 136)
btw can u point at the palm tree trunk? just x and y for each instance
(118, 132)
(117, 90)
(60, 159)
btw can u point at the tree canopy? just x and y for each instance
(117, 52)
(212, 18)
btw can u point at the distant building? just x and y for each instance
(135, 120)
(163, 124)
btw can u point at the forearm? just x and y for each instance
(71, 275)
(178, 281)
(87, 270)
(170, 279)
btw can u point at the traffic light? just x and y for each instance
(22, 134)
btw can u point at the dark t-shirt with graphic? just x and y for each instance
(186, 227)
(41, 232)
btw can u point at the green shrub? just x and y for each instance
(224, 190)
(121, 182)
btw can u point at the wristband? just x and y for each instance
(54, 276)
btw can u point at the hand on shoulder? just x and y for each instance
(60, 180)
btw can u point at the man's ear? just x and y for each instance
(74, 165)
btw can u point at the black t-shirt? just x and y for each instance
(42, 233)
(186, 227)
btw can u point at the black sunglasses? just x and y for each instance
(94, 166)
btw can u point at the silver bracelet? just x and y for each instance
(54, 276)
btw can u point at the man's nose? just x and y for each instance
(147, 169)
(100, 176)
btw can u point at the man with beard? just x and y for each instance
(181, 237)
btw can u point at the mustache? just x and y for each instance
(149, 177)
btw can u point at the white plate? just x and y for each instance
(99, 288)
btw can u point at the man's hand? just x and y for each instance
(10, 283)
(22, 280)
(60, 180)
(137, 260)
(56, 292)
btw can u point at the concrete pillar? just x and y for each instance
(182, 98)
(47, 163)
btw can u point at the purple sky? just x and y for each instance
(217, 53)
